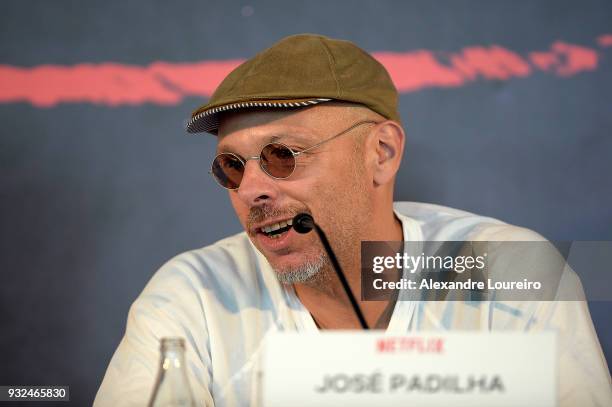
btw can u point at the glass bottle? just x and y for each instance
(172, 386)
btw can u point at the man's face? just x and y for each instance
(330, 182)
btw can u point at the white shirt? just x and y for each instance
(224, 299)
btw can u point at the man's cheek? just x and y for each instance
(242, 212)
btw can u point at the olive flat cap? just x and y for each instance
(301, 70)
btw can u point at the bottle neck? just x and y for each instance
(172, 386)
(172, 359)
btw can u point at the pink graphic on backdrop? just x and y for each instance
(490, 63)
(565, 59)
(111, 84)
(412, 71)
(605, 40)
(166, 83)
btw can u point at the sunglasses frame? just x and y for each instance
(294, 153)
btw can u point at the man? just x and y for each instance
(311, 125)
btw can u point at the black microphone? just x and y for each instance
(304, 223)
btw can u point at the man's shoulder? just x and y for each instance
(437, 222)
(228, 249)
(226, 261)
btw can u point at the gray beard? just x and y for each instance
(308, 272)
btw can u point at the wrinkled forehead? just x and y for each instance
(258, 127)
(231, 122)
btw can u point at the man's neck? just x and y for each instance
(326, 299)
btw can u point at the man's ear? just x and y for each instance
(388, 146)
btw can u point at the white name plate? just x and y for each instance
(433, 369)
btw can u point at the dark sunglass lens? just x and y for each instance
(228, 170)
(278, 160)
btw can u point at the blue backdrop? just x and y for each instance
(95, 197)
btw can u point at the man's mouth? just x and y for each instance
(276, 230)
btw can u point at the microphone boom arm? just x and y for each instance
(304, 223)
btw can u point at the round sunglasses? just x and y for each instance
(275, 159)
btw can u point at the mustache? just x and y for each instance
(259, 214)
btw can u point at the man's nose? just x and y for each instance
(256, 186)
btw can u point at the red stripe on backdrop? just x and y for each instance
(168, 83)
(605, 40)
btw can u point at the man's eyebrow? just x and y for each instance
(275, 138)
(289, 137)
